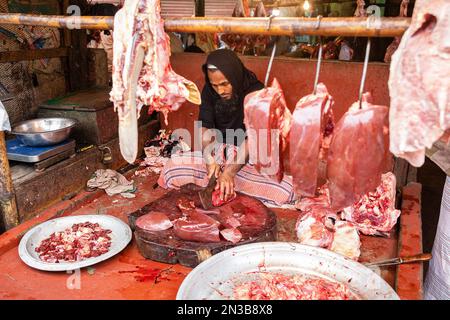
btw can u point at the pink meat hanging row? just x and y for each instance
(351, 155)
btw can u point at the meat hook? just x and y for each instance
(363, 79)
(270, 62)
(319, 59)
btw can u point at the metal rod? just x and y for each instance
(319, 58)
(270, 63)
(330, 26)
(364, 74)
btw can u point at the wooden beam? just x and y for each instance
(8, 206)
(347, 27)
(15, 56)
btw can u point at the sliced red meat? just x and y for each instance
(216, 199)
(311, 132)
(268, 121)
(185, 205)
(358, 153)
(375, 213)
(154, 221)
(198, 227)
(231, 234)
(419, 82)
(142, 74)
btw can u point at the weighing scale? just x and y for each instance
(42, 157)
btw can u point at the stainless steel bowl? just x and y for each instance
(44, 131)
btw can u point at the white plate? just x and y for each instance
(216, 277)
(120, 237)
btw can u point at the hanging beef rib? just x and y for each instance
(310, 134)
(268, 122)
(419, 82)
(142, 74)
(359, 153)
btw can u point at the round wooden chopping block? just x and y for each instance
(164, 246)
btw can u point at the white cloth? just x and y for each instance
(112, 182)
(437, 282)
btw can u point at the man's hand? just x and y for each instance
(225, 183)
(213, 169)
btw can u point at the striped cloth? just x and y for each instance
(190, 167)
(437, 282)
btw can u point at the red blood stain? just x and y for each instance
(154, 275)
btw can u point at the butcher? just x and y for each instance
(223, 139)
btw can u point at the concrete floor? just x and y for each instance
(432, 179)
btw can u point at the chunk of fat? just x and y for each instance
(346, 240)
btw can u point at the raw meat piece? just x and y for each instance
(375, 213)
(76, 243)
(216, 199)
(311, 131)
(394, 45)
(358, 153)
(185, 205)
(322, 201)
(311, 229)
(154, 221)
(197, 226)
(231, 234)
(277, 286)
(419, 82)
(346, 240)
(268, 121)
(142, 74)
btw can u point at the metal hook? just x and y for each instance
(270, 22)
(319, 59)
(270, 62)
(363, 79)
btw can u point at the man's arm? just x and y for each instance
(211, 166)
(226, 180)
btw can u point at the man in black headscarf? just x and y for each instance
(227, 82)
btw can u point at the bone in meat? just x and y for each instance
(142, 74)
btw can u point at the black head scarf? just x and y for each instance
(233, 69)
(243, 82)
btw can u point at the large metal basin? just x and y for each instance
(44, 131)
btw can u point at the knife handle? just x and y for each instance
(415, 258)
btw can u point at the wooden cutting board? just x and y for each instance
(164, 246)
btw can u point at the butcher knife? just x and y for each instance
(400, 260)
(205, 195)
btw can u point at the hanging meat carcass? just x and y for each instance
(268, 121)
(359, 153)
(243, 43)
(419, 82)
(142, 74)
(375, 213)
(311, 129)
(394, 45)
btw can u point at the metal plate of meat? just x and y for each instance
(216, 278)
(120, 237)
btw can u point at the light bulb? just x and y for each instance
(306, 5)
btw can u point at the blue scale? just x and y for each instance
(18, 151)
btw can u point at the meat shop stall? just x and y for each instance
(156, 243)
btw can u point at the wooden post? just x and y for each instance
(10, 215)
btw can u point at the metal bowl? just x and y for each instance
(44, 131)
